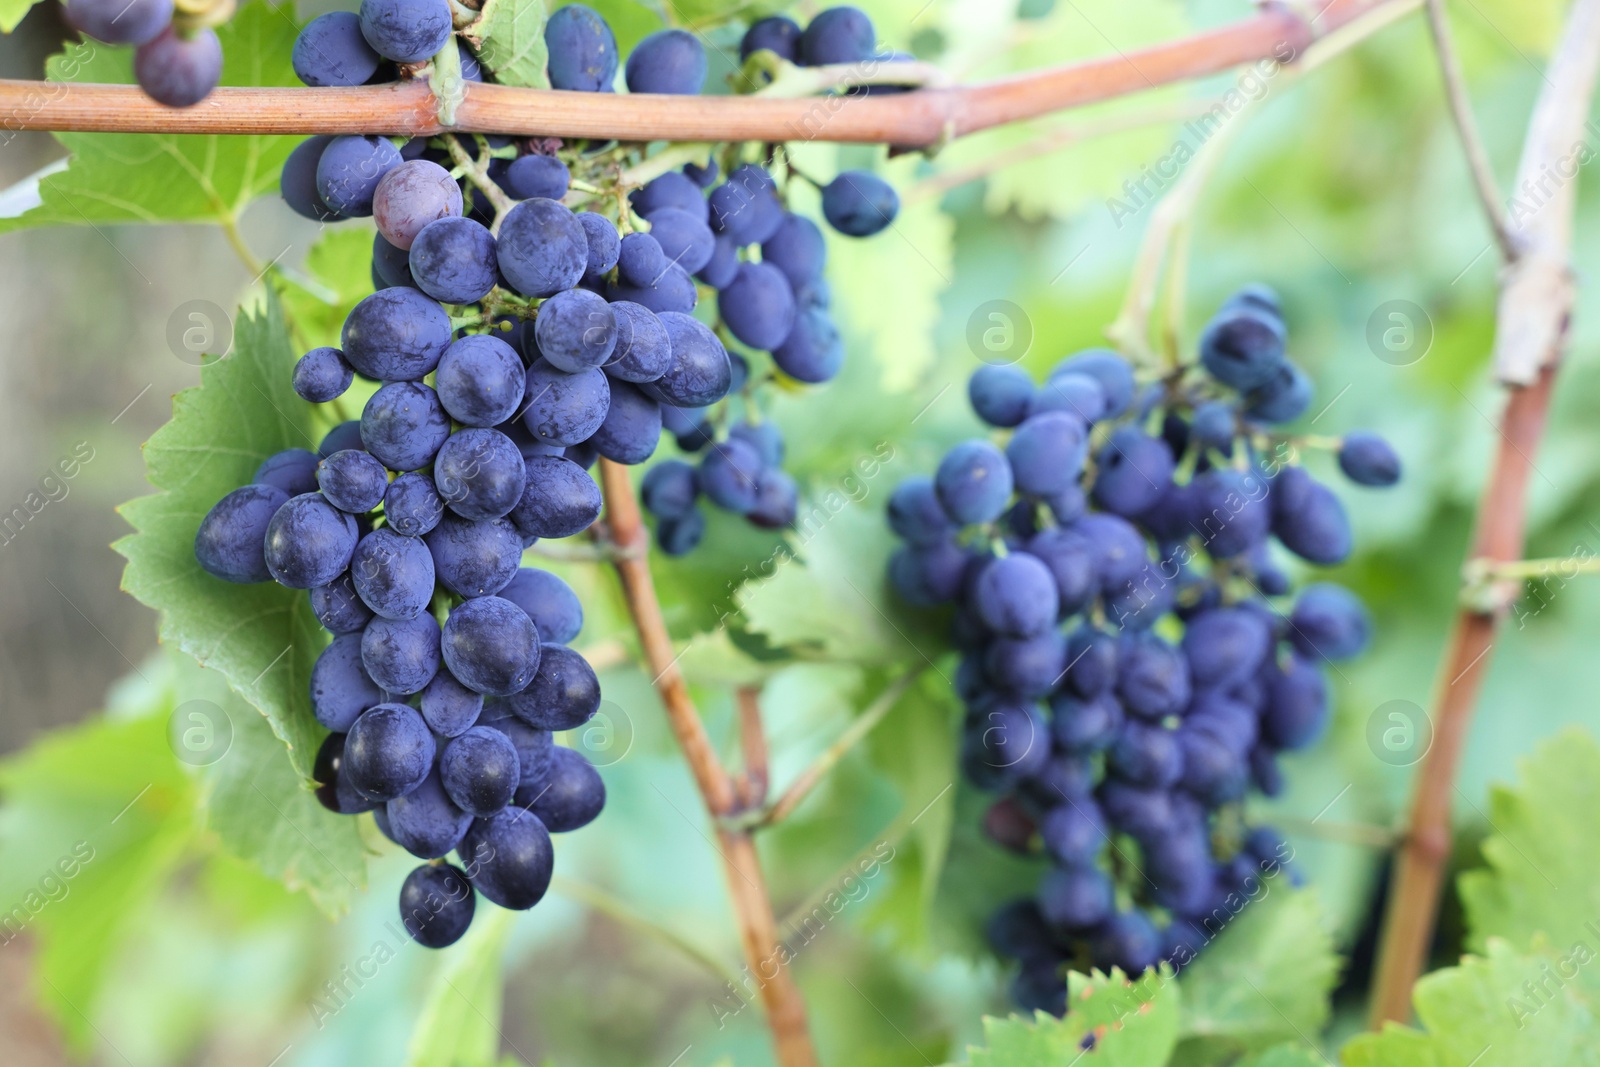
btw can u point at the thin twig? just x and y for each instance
(477, 171)
(1455, 91)
(802, 786)
(786, 1014)
(1534, 314)
(753, 741)
(924, 117)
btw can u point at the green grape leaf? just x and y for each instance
(460, 1021)
(158, 177)
(508, 37)
(338, 273)
(263, 812)
(263, 638)
(1480, 1014)
(12, 12)
(1134, 1024)
(1541, 889)
(95, 819)
(1266, 978)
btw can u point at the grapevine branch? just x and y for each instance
(929, 116)
(1533, 317)
(758, 928)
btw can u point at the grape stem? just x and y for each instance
(923, 117)
(477, 172)
(1533, 319)
(753, 743)
(766, 959)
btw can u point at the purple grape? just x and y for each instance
(230, 543)
(667, 61)
(412, 195)
(331, 51)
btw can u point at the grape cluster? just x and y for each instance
(1131, 665)
(598, 304)
(177, 61)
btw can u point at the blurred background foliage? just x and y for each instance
(180, 941)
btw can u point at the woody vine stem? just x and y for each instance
(1535, 303)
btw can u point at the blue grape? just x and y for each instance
(604, 244)
(729, 474)
(308, 542)
(479, 473)
(564, 409)
(412, 195)
(1085, 725)
(563, 695)
(841, 34)
(1133, 470)
(700, 372)
(322, 375)
(1108, 368)
(1212, 770)
(925, 575)
(632, 426)
(348, 172)
(1004, 744)
(813, 352)
(688, 426)
(1152, 677)
(797, 248)
(758, 306)
(1308, 519)
(448, 707)
(1145, 754)
(549, 602)
(542, 248)
(643, 352)
(116, 22)
(393, 574)
(576, 330)
(480, 381)
(1368, 459)
(404, 425)
(1258, 297)
(1025, 666)
(453, 260)
(723, 266)
(1213, 425)
(1296, 711)
(777, 500)
(775, 33)
(572, 794)
(1076, 394)
(704, 175)
(1016, 595)
(509, 859)
(680, 536)
(560, 499)
(338, 606)
(1243, 348)
(531, 176)
(1120, 553)
(1075, 898)
(1047, 453)
(395, 335)
(582, 49)
(340, 687)
(1284, 398)
(765, 437)
(671, 190)
(473, 559)
(1142, 813)
(974, 482)
(1330, 622)
(334, 790)
(667, 61)
(179, 69)
(490, 646)
(331, 51)
(231, 541)
(859, 204)
(1074, 832)
(1231, 511)
(1000, 393)
(406, 31)
(352, 480)
(671, 290)
(480, 770)
(412, 505)
(1225, 645)
(640, 259)
(746, 206)
(684, 237)
(298, 182)
(426, 821)
(669, 489)
(916, 514)
(401, 655)
(388, 752)
(533, 745)
(391, 266)
(436, 905)
(1070, 559)
(1128, 940)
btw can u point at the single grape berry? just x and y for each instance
(118, 21)
(411, 195)
(388, 752)
(406, 31)
(974, 482)
(491, 646)
(230, 543)
(322, 375)
(179, 69)
(667, 61)
(582, 50)
(349, 170)
(859, 204)
(480, 770)
(1368, 459)
(841, 34)
(330, 50)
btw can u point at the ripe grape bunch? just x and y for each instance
(597, 305)
(177, 57)
(1130, 663)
